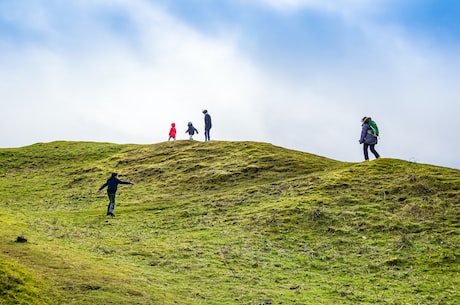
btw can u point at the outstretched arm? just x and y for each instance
(125, 182)
(102, 186)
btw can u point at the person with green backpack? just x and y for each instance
(369, 137)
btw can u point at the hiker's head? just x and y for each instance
(173, 124)
(114, 175)
(189, 123)
(365, 119)
(205, 111)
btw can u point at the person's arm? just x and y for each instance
(363, 133)
(124, 182)
(102, 186)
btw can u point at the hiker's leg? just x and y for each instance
(366, 153)
(111, 206)
(376, 154)
(110, 202)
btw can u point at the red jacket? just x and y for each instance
(172, 131)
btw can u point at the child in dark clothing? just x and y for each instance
(112, 185)
(191, 130)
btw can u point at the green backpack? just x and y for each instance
(373, 129)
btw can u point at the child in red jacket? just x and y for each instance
(172, 132)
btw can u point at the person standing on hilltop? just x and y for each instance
(172, 132)
(207, 125)
(112, 185)
(369, 134)
(191, 130)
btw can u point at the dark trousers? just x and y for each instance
(207, 136)
(111, 205)
(366, 153)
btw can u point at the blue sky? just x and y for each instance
(296, 73)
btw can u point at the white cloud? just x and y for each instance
(176, 74)
(345, 8)
(95, 86)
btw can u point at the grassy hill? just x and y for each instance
(224, 223)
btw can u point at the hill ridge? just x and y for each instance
(224, 223)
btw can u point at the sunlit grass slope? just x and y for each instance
(224, 223)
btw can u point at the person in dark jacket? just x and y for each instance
(207, 125)
(191, 130)
(368, 139)
(112, 186)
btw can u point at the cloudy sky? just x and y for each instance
(295, 73)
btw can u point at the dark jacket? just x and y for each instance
(191, 130)
(112, 184)
(366, 135)
(207, 121)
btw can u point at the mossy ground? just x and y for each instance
(224, 223)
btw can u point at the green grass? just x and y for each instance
(224, 223)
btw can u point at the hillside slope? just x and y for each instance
(224, 223)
